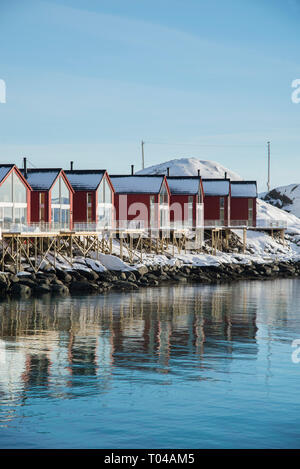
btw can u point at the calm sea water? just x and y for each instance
(174, 367)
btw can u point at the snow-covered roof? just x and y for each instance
(183, 185)
(219, 187)
(41, 179)
(137, 184)
(85, 180)
(4, 170)
(243, 189)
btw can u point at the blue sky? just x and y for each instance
(88, 80)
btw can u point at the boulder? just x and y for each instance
(42, 288)
(18, 289)
(27, 281)
(81, 286)
(59, 289)
(142, 270)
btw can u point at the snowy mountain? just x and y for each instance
(211, 169)
(285, 197)
(189, 167)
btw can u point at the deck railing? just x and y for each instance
(269, 224)
(35, 227)
(136, 225)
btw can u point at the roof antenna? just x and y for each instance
(132, 169)
(71, 165)
(168, 171)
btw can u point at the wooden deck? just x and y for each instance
(35, 247)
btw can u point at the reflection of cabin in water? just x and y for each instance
(14, 196)
(142, 201)
(93, 197)
(51, 197)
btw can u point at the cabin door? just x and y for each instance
(42, 204)
(152, 212)
(250, 212)
(190, 212)
(222, 210)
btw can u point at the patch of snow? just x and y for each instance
(95, 265)
(190, 166)
(114, 263)
(135, 184)
(243, 190)
(216, 187)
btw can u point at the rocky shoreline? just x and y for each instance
(53, 281)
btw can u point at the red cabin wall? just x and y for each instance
(212, 207)
(80, 203)
(182, 200)
(80, 206)
(132, 199)
(35, 206)
(239, 208)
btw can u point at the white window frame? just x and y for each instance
(13, 204)
(60, 206)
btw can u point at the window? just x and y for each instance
(13, 201)
(104, 192)
(104, 211)
(60, 203)
(164, 216)
(64, 193)
(19, 190)
(222, 213)
(163, 195)
(6, 189)
(107, 192)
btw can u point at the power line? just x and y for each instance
(206, 145)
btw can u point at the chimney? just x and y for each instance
(225, 176)
(132, 169)
(198, 173)
(71, 165)
(25, 167)
(168, 172)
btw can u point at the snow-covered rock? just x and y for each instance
(190, 166)
(284, 197)
(113, 262)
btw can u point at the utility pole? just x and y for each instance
(269, 166)
(143, 157)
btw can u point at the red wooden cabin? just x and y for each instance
(141, 201)
(186, 203)
(14, 197)
(93, 197)
(243, 202)
(51, 197)
(216, 202)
